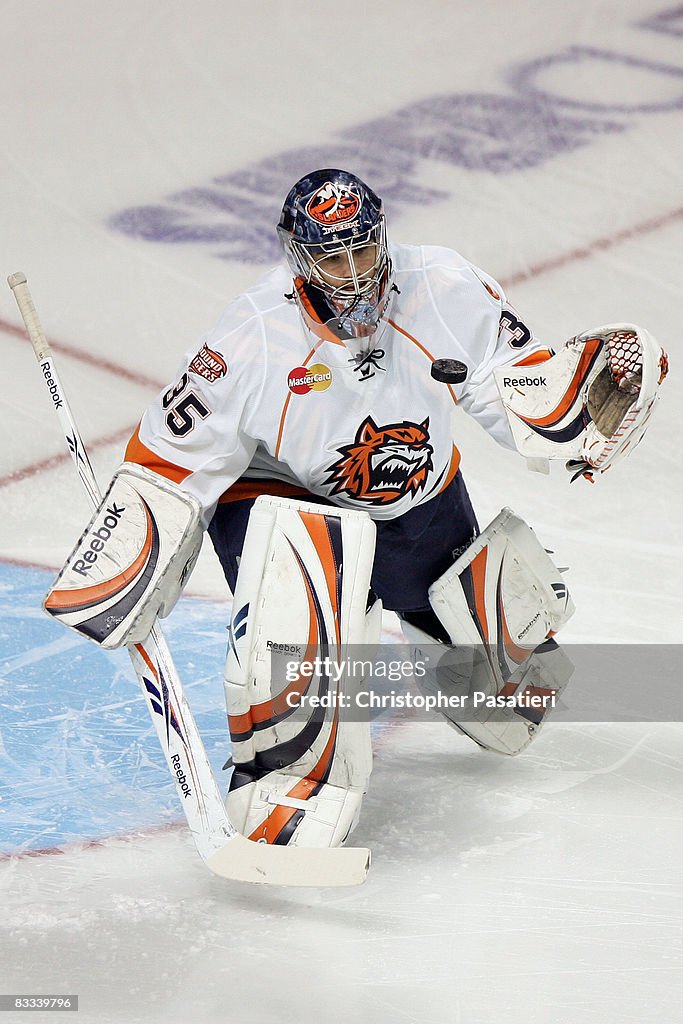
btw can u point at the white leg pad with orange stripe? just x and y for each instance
(302, 754)
(501, 602)
(132, 560)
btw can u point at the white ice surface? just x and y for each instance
(544, 889)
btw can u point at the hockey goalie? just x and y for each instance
(313, 434)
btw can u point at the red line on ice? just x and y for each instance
(93, 844)
(86, 357)
(195, 595)
(56, 460)
(584, 252)
(154, 830)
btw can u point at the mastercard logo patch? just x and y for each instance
(303, 379)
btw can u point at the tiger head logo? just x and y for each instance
(384, 463)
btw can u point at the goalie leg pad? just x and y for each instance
(501, 602)
(131, 562)
(302, 764)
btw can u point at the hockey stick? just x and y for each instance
(224, 850)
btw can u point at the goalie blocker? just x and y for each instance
(132, 560)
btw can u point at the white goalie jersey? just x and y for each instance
(361, 423)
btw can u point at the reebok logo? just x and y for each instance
(525, 382)
(180, 775)
(98, 538)
(46, 367)
(284, 648)
(523, 633)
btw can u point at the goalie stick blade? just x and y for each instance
(246, 861)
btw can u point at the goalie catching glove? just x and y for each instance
(131, 562)
(590, 403)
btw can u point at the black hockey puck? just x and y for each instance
(449, 371)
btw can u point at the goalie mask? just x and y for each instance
(332, 229)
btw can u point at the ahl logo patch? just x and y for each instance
(208, 364)
(384, 463)
(332, 205)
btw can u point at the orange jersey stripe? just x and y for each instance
(285, 407)
(452, 469)
(144, 456)
(422, 349)
(326, 335)
(245, 489)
